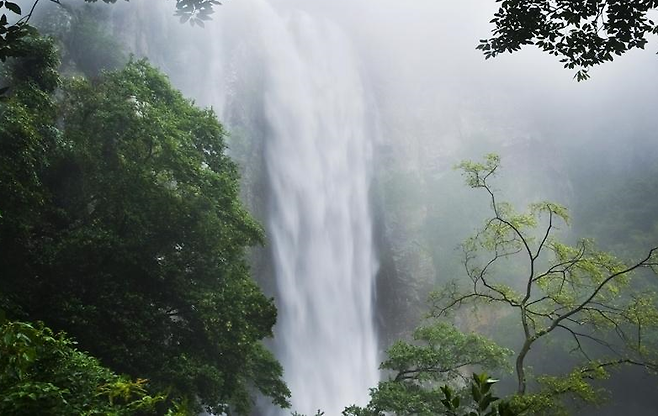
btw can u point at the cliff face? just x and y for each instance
(425, 210)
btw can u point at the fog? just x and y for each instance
(426, 81)
(430, 101)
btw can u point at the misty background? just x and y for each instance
(430, 100)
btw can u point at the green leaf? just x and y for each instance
(13, 7)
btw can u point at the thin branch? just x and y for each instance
(579, 346)
(548, 232)
(456, 302)
(598, 289)
(649, 365)
(599, 341)
(567, 263)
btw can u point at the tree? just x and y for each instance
(480, 402)
(582, 33)
(43, 373)
(423, 370)
(516, 262)
(121, 225)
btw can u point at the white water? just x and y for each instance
(294, 79)
(300, 74)
(318, 157)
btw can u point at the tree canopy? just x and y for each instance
(43, 373)
(121, 225)
(581, 33)
(422, 372)
(533, 287)
(516, 262)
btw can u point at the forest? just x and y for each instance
(340, 208)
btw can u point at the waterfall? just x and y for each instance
(293, 79)
(318, 157)
(318, 164)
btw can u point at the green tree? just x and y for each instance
(423, 370)
(11, 33)
(581, 33)
(43, 373)
(516, 262)
(121, 225)
(483, 402)
(478, 400)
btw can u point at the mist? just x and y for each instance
(422, 98)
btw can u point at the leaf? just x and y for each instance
(455, 402)
(475, 392)
(13, 7)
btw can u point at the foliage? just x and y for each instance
(581, 33)
(43, 373)
(121, 225)
(438, 354)
(480, 402)
(576, 386)
(317, 413)
(484, 402)
(27, 140)
(11, 34)
(552, 287)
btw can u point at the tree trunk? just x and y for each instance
(520, 367)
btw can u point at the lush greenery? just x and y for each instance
(581, 33)
(43, 373)
(478, 400)
(423, 371)
(577, 306)
(11, 33)
(516, 262)
(121, 225)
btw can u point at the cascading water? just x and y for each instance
(318, 163)
(294, 80)
(318, 154)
